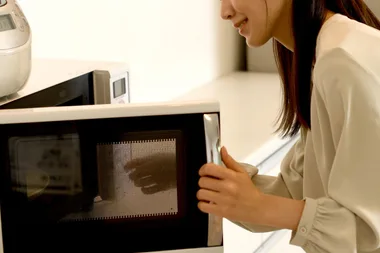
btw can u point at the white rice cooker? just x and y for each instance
(15, 48)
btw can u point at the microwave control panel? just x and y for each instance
(111, 85)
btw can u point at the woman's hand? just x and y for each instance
(228, 192)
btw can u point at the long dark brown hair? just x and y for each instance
(295, 68)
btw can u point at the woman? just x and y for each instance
(328, 192)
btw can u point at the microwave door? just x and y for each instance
(72, 176)
(212, 136)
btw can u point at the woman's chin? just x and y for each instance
(256, 42)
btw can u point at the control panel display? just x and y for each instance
(119, 88)
(6, 23)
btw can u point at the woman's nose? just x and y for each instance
(227, 11)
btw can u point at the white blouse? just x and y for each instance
(335, 167)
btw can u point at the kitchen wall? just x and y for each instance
(171, 46)
(374, 5)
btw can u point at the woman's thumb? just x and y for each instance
(230, 162)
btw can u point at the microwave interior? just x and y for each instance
(126, 184)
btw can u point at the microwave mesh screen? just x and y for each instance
(136, 179)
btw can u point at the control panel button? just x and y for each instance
(25, 22)
(18, 20)
(19, 12)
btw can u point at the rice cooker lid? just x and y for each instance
(14, 28)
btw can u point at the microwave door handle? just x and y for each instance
(212, 135)
(213, 147)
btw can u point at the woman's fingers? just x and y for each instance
(208, 207)
(230, 162)
(216, 171)
(210, 196)
(209, 183)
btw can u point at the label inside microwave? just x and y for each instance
(46, 164)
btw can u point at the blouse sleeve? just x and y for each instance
(346, 114)
(287, 184)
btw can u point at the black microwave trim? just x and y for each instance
(182, 233)
(76, 91)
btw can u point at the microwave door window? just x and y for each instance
(136, 179)
(46, 165)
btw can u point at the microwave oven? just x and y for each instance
(60, 82)
(111, 85)
(114, 177)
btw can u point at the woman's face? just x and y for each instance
(256, 20)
